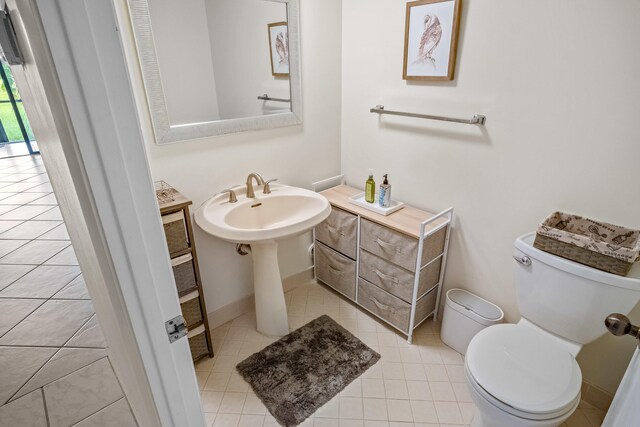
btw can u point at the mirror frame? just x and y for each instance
(166, 133)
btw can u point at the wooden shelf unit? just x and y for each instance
(392, 266)
(178, 229)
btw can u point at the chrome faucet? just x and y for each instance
(250, 178)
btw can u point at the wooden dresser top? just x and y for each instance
(406, 220)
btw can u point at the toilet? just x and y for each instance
(526, 374)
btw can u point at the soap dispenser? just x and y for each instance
(370, 188)
(384, 194)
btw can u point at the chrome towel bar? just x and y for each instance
(266, 97)
(477, 119)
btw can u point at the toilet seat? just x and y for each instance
(523, 372)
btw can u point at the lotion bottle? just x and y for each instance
(384, 198)
(370, 188)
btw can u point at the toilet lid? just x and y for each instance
(524, 369)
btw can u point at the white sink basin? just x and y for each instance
(285, 212)
(261, 222)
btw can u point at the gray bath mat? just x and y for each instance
(302, 371)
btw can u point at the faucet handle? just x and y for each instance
(232, 195)
(267, 187)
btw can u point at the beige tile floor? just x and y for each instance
(54, 366)
(418, 385)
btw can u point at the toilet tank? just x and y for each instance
(567, 298)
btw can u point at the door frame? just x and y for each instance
(78, 96)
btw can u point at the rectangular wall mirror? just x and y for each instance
(214, 67)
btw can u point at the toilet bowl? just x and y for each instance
(517, 377)
(526, 374)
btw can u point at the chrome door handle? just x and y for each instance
(524, 260)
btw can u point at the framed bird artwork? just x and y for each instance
(431, 39)
(279, 49)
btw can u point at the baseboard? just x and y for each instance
(238, 308)
(595, 396)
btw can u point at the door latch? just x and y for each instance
(176, 328)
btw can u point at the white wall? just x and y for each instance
(184, 58)
(241, 61)
(558, 82)
(297, 155)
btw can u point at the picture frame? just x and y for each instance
(431, 40)
(279, 48)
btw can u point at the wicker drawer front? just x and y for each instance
(176, 232)
(191, 312)
(396, 280)
(383, 304)
(399, 248)
(198, 345)
(336, 270)
(184, 274)
(396, 247)
(339, 231)
(393, 309)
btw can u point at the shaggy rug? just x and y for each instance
(302, 371)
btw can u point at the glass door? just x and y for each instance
(16, 136)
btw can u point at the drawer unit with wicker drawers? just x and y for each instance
(176, 221)
(392, 266)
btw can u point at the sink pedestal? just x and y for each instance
(271, 309)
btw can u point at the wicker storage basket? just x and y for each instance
(604, 246)
(198, 346)
(192, 312)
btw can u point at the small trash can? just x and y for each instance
(466, 314)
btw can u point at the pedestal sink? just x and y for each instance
(260, 222)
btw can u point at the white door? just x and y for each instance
(624, 409)
(77, 94)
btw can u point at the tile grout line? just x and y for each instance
(30, 219)
(91, 415)
(46, 409)
(65, 286)
(39, 235)
(31, 201)
(75, 347)
(31, 241)
(45, 298)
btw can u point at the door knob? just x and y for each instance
(619, 324)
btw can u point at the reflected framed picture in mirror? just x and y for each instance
(279, 49)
